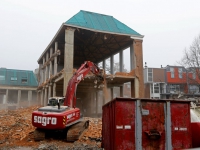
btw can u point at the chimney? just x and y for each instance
(145, 65)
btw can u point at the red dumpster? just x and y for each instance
(148, 124)
(195, 134)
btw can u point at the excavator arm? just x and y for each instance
(70, 98)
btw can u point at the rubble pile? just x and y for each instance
(92, 135)
(16, 131)
(15, 125)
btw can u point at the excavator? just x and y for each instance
(61, 113)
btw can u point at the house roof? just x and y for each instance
(100, 22)
(14, 77)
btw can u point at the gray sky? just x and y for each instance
(28, 26)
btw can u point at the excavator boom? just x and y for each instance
(70, 98)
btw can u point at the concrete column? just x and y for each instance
(139, 81)
(19, 97)
(45, 97)
(38, 97)
(29, 97)
(42, 97)
(104, 100)
(121, 61)
(39, 77)
(121, 91)
(68, 57)
(54, 89)
(112, 64)
(49, 92)
(6, 99)
(55, 59)
(50, 65)
(104, 65)
(47, 67)
(132, 58)
(111, 93)
(43, 71)
(133, 89)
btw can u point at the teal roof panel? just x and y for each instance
(14, 77)
(100, 22)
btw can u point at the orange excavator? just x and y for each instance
(61, 113)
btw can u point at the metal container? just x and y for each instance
(148, 124)
(195, 134)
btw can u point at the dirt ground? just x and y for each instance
(16, 132)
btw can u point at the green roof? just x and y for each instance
(100, 22)
(14, 77)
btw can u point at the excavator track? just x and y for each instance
(39, 135)
(75, 131)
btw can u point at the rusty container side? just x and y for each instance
(118, 130)
(106, 127)
(153, 124)
(195, 126)
(124, 125)
(180, 125)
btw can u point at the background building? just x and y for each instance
(171, 82)
(18, 88)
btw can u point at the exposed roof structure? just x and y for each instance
(96, 37)
(14, 77)
(100, 22)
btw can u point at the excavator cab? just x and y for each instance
(54, 101)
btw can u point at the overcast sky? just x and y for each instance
(28, 26)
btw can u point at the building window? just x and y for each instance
(172, 72)
(24, 80)
(180, 73)
(174, 88)
(2, 78)
(13, 78)
(150, 74)
(193, 89)
(156, 88)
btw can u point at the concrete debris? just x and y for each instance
(16, 132)
(93, 133)
(132, 73)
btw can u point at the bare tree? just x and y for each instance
(191, 61)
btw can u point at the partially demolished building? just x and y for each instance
(99, 38)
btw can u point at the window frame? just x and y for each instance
(2, 78)
(180, 73)
(13, 78)
(150, 74)
(172, 72)
(23, 82)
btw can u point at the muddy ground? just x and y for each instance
(16, 132)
